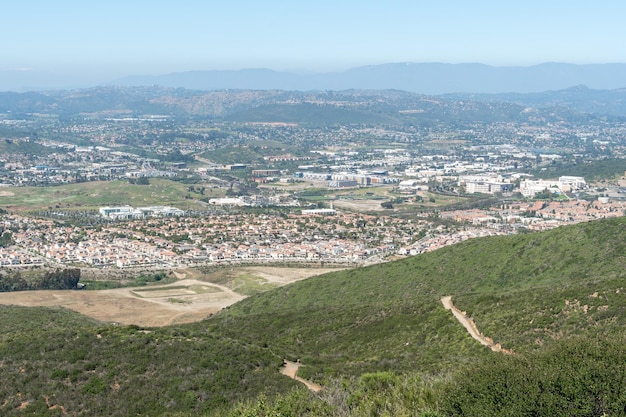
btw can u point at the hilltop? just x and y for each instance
(376, 338)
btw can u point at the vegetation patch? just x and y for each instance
(178, 301)
(173, 290)
(248, 284)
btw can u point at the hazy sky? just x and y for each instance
(111, 38)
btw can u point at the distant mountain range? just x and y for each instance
(423, 78)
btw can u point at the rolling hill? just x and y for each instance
(317, 107)
(376, 338)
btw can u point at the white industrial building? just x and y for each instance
(488, 187)
(128, 212)
(529, 188)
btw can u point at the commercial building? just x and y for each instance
(128, 212)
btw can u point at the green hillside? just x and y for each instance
(389, 317)
(313, 114)
(590, 170)
(377, 338)
(95, 194)
(55, 357)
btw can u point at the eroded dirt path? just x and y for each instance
(290, 369)
(471, 328)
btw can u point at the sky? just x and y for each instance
(106, 39)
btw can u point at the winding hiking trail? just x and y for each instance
(291, 368)
(471, 328)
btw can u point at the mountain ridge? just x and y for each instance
(424, 78)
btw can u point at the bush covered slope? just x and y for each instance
(522, 291)
(56, 357)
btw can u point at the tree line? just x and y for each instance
(61, 279)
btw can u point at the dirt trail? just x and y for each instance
(471, 328)
(290, 369)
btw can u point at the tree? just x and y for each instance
(6, 239)
(66, 279)
(13, 282)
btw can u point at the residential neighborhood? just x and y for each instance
(313, 236)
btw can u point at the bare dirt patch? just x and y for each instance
(187, 300)
(122, 305)
(359, 205)
(6, 194)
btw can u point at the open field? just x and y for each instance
(372, 202)
(92, 195)
(359, 205)
(369, 199)
(191, 298)
(282, 276)
(175, 303)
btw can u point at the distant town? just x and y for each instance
(277, 191)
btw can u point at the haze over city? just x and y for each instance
(100, 41)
